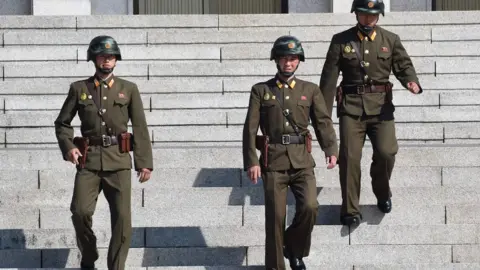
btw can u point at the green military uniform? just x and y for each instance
(363, 109)
(106, 167)
(287, 164)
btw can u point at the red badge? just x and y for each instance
(121, 95)
(384, 49)
(303, 98)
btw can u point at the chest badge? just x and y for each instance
(266, 96)
(384, 49)
(121, 95)
(347, 49)
(83, 96)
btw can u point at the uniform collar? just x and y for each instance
(108, 81)
(280, 83)
(372, 35)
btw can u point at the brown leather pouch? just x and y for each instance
(82, 145)
(308, 142)
(126, 142)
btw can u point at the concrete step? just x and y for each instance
(226, 196)
(318, 50)
(248, 236)
(230, 157)
(334, 255)
(455, 33)
(194, 68)
(405, 131)
(237, 100)
(176, 85)
(433, 266)
(129, 52)
(402, 114)
(52, 179)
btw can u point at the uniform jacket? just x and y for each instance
(304, 101)
(383, 52)
(121, 98)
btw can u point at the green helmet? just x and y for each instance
(103, 45)
(368, 6)
(287, 45)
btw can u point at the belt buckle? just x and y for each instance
(106, 140)
(286, 139)
(361, 89)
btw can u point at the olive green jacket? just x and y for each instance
(383, 52)
(304, 102)
(121, 98)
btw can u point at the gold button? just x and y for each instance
(367, 64)
(104, 86)
(366, 51)
(103, 123)
(353, 50)
(104, 110)
(104, 98)
(287, 97)
(286, 123)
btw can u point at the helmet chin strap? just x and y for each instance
(284, 73)
(365, 29)
(105, 71)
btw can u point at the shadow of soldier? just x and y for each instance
(14, 252)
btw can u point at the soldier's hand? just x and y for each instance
(143, 175)
(332, 162)
(413, 87)
(73, 155)
(254, 173)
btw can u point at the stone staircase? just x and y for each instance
(199, 211)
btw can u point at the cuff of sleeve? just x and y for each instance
(331, 151)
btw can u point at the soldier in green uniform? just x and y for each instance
(282, 108)
(105, 103)
(366, 54)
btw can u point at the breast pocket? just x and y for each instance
(303, 116)
(350, 60)
(385, 60)
(120, 106)
(87, 110)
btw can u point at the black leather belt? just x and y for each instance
(103, 140)
(288, 139)
(365, 88)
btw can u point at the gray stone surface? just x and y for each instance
(61, 8)
(461, 176)
(10, 180)
(59, 238)
(163, 52)
(228, 236)
(469, 130)
(20, 258)
(465, 97)
(72, 37)
(367, 254)
(37, 22)
(325, 33)
(230, 156)
(460, 195)
(330, 215)
(186, 117)
(309, 6)
(202, 100)
(204, 215)
(214, 36)
(53, 198)
(147, 21)
(457, 66)
(466, 253)
(456, 33)
(32, 119)
(67, 69)
(153, 257)
(467, 213)
(411, 5)
(17, 54)
(415, 235)
(19, 217)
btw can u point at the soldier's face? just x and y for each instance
(106, 60)
(288, 63)
(367, 19)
